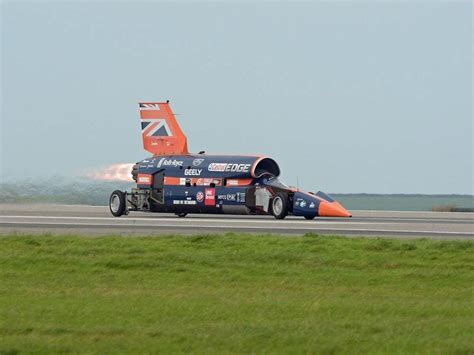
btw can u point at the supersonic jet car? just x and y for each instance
(173, 180)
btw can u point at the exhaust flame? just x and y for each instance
(114, 172)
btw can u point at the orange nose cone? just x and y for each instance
(332, 209)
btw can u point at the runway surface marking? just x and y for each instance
(428, 232)
(95, 220)
(187, 220)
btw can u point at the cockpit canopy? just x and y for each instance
(274, 181)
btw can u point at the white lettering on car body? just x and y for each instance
(184, 202)
(169, 162)
(192, 172)
(228, 197)
(229, 167)
(144, 179)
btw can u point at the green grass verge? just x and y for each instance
(235, 294)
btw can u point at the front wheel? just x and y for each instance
(181, 214)
(280, 205)
(117, 203)
(309, 218)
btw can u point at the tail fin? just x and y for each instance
(160, 130)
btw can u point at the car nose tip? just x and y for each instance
(332, 209)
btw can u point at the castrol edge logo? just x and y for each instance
(229, 167)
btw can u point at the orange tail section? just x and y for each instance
(160, 131)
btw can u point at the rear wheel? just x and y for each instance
(279, 205)
(309, 218)
(182, 214)
(117, 203)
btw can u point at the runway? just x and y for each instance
(95, 220)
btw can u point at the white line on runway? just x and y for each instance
(282, 228)
(183, 220)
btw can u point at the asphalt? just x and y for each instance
(95, 220)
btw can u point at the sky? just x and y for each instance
(347, 96)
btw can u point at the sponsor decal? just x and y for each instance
(311, 205)
(229, 167)
(208, 181)
(200, 196)
(241, 197)
(169, 162)
(300, 202)
(144, 179)
(210, 196)
(217, 167)
(197, 162)
(183, 202)
(192, 172)
(227, 197)
(238, 182)
(146, 163)
(238, 197)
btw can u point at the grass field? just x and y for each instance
(235, 294)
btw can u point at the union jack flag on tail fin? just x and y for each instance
(160, 131)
